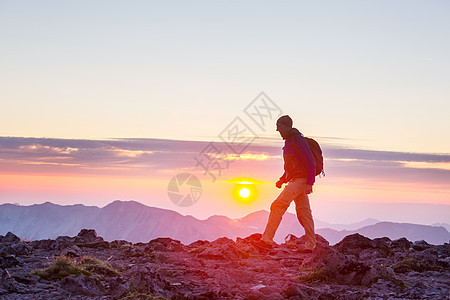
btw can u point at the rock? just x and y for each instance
(165, 244)
(9, 238)
(64, 238)
(355, 268)
(8, 261)
(119, 243)
(319, 240)
(163, 241)
(223, 241)
(353, 244)
(375, 273)
(304, 292)
(63, 242)
(72, 251)
(99, 245)
(325, 257)
(253, 237)
(45, 244)
(352, 273)
(255, 295)
(407, 265)
(292, 289)
(420, 245)
(198, 243)
(7, 283)
(272, 292)
(328, 264)
(21, 249)
(381, 247)
(401, 244)
(175, 246)
(223, 252)
(87, 236)
(118, 287)
(25, 277)
(82, 285)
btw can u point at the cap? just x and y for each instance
(285, 120)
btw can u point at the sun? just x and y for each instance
(244, 192)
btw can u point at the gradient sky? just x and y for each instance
(116, 85)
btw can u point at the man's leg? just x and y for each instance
(304, 216)
(277, 210)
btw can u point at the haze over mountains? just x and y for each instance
(135, 222)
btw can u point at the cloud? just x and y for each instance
(150, 157)
(342, 153)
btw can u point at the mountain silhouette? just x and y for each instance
(136, 222)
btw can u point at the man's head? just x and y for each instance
(284, 126)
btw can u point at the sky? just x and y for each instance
(107, 100)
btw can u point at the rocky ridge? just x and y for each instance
(87, 267)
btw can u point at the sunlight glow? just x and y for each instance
(244, 192)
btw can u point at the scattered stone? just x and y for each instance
(355, 268)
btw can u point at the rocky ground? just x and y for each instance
(87, 267)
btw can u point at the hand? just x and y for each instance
(279, 184)
(308, 189)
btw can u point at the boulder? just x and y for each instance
(401, 244)
(420, 245)
(7, 283)
(45, 244)
(222, 252)
(87, 236)
(72, 251)
(353, 244)
(9, 238)
(8, 261)
(82, 285)
(21, 249)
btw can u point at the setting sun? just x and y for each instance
(244, 192)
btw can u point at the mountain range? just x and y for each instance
(135, 222)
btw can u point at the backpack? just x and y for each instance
(317, 154)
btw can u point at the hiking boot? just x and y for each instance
(260, 244)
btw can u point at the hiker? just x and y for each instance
(299, 175)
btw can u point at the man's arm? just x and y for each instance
(280, 181)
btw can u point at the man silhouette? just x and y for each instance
(299, 174)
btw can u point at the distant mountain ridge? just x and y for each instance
(135, 222)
